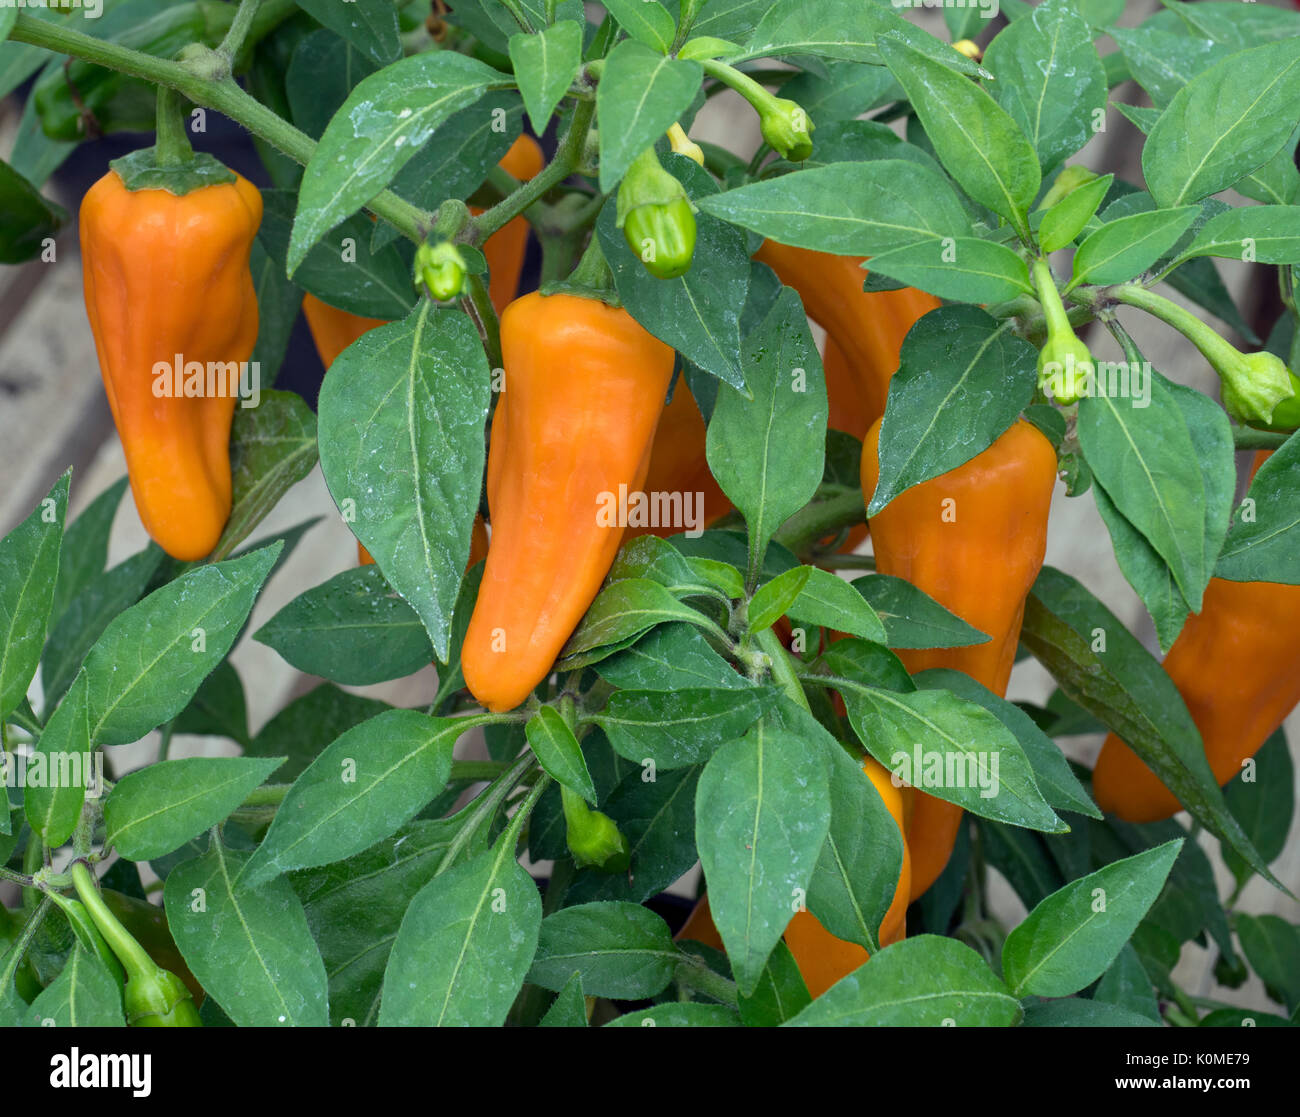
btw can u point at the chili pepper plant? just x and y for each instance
(621, 497)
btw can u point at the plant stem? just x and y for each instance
(694, 974)
(783, 673)
(1215, 350)
(567, 158)
(821, 518)
(24, 940)
(239, 28)
(476, 299)
(172, 141)
(134, 958)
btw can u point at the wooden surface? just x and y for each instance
(53, 414)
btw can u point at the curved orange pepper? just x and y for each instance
(166, 278)
(1237, 665)
(973, 539)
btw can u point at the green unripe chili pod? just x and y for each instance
(440, 268)
(786, 128)
(153, 997)
(593, 838)
(1065, 365)
(656, 217)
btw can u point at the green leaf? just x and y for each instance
(850, 209)
(781, 993)
(757, 448)
(1263, 549)
(622, 951)
(422, 384)
(963, 269)
(1126, 985)
(1139, 455)
(628, 125)
(924, 981)
(157, 809)
(698, 313)
(1050, 79)
(1067, 218)
(29, 566)
(647, 23)
(680, 1015)
(558, 752)
(843, 29)
(303, 728)
(762, 813)
(912, 618)
(465, 945)
(831, 602)
(772, 599)
(1141, 564)
(365, 785)
(84, 550)
(1224, 123)
(1072, 937)
(84, 995)
(670, 657)
(27, 220)
(952, 749)
(962, 380)
(83, 622)
(1272, 947)
(1076, 1012)
(150, 660)
(218, 708)
(1253, 234)
(682, 728)
(351, 629)
(377, 131)
(1145, 709)
(622, 612)
(1162, 62)
(853, 884)
(454, 161)
(1122, 249)
(1264, 807)
(250, 949)
(1052, 772)
(569, 1009)
(322, 72)
(272, 448)
(369, 25)
(979, 142)
(355, 907)
(63, 756)
(546, 63)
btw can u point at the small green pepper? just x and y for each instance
(593, 838)
(656, 217)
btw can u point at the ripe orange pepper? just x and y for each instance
(678, 464)
(866, 330)
(166, 278)
(973, 539)
(821, 957)
(1237, 665)
(584, 388)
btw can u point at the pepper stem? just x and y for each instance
(135, 960)
(591, 279)
(172, 146)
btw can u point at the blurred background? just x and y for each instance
(53, 414)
